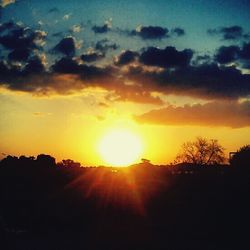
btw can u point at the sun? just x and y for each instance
(120, 147)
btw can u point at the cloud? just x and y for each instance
(150, 32)
(101, 29)
(178, 31)
(232, 54)
(7, 25)
(245, 52)
(152, 69)
(228, 114)
(66, 65)
(126, 57)
(15, 78)
(104, 45)
(134, 83)
(168, 57)
(76, 28)
(11, 72)
(66, 46)
(68, 76)
(84, 72)
(128, 93)
(65, 77)
(21, 54)
(202, 59)
(17, 37)
(104, 28)
(67, 16)
(227, 54)
(207, 81)
(92, 56)
(4, 3)
(35, 65)
(229, 33)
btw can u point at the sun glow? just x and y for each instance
(120, 147)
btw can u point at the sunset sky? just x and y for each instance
(72, 72)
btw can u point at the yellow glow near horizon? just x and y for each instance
(120, 147)
(66, 129)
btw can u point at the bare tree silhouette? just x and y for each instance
(202, 152)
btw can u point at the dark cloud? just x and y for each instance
(227, 54)
(66, 65)
(173, 71)
(245, 56)
(15, 37)
(14, 77)
(66, 46)
(4, 70)
(35, 65)
(104, 45)
(233, 54)
(65, 76)
(101, 29)
(68, 76)
(150, 32)
(92, 56)
(126, 57)
(228, 114)
(245, 52)
(85, 72)
(14, 72)
(178, 31)
(229, 33)
(7, 25)
(168, 57)
(19, 54)
(207, 81)
(13, 41)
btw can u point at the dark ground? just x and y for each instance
(44, 206)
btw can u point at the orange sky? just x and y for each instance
(72, 127)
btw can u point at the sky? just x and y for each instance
(168, 71)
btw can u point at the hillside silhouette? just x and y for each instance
(49, 205)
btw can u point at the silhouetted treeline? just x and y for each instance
(49, 205)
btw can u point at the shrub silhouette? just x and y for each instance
(46, 160)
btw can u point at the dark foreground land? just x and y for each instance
(46, 206)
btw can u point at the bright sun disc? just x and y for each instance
(120, 148)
